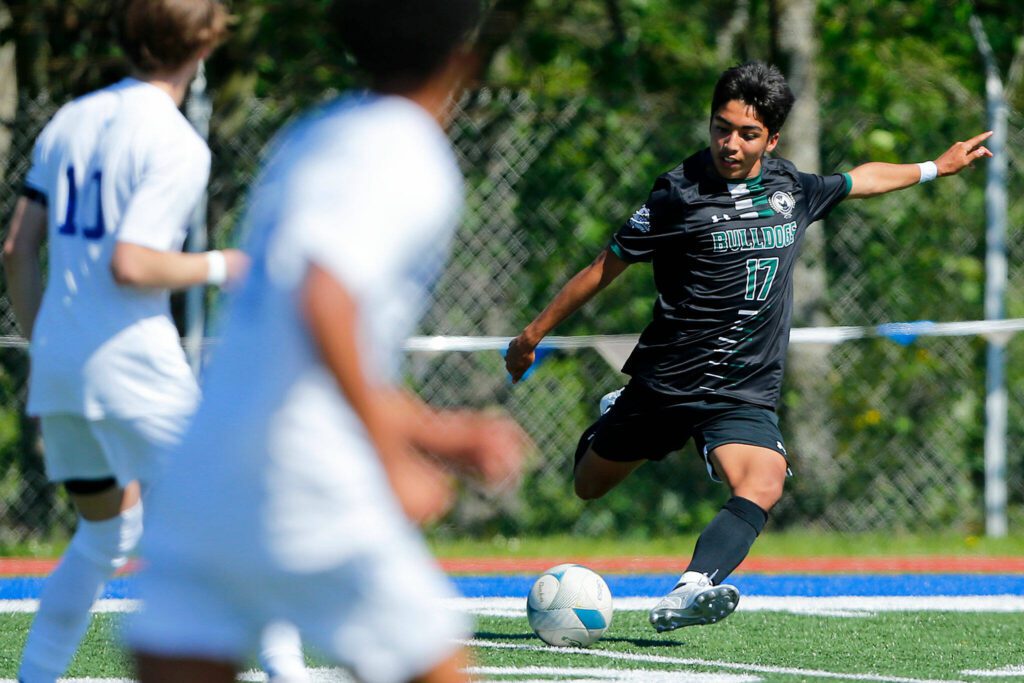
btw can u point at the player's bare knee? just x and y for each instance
(108, 543)
(769, 497)
(765, 492)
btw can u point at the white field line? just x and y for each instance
(708, 663)
(831, 606)
(593, 675)
(853, 606)
(501, 674)
(1005, 672)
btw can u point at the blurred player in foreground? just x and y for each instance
(115, 178)
(723, 231)
(291, 495)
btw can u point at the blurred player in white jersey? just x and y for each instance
(115, 177)
(285, 499)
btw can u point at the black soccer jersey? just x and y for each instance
(723, 255)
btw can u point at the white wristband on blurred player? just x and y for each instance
(217, 268)
(929, 171)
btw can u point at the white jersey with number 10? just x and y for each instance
(119, 165)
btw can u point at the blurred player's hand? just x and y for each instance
(963, 154)
(494, 449)
(238, 266)
(490, 448)
(423, 487)
(519, 357)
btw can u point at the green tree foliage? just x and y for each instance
(622, 90)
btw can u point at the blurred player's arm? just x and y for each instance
(485, 446)
(21, 261)
(576, 292)
(423, 488)
(134, 265)
(875, 178)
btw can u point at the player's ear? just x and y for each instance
(773, 142)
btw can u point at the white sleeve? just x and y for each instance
(174, 176)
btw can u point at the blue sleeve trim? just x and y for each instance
(617, 250)
(849, 184)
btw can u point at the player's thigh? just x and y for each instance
(595, 475)
(71, 451)
(382, 613)
(137, 447)
(736, 424)
(752, 472)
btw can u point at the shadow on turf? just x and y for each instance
(638, 642)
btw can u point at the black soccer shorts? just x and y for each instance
(644, 424)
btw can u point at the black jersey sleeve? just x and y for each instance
(637, 239)
(823, 193)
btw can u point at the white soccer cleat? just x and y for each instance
(609, 399)
(693, 603)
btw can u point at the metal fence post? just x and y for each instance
(198, 110)
(995, 291)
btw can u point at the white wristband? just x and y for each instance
(929, 171)
(216, 268)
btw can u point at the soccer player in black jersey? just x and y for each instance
(722, 231)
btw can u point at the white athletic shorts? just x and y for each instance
(380, 613)
(124, 448)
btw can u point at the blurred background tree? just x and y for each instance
(582, 104)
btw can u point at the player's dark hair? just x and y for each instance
(760, 85)
(400, 44)
(163, 35)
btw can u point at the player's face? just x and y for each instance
(739, 139)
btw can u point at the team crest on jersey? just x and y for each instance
(641, 220)
(783, 203)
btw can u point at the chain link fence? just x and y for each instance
(884, 435)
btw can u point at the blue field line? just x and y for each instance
(809, 585)
(651, 585)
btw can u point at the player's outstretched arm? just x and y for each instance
(875, 178)
(21, 262)
(576, 292)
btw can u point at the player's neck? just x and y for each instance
(755, 170)
(437, 104)
(438, 94)
(174, 83)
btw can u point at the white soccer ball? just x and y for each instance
(569, 605)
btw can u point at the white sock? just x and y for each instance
(692, 577)
(281, 653)
(63, 617)
(94, 554)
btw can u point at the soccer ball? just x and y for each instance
(569, 605)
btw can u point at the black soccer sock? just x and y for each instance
(727, 539)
